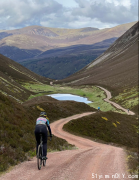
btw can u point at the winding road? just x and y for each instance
(91, 160)
(109, 96)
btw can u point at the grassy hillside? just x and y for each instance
(116, 66)
(12, 75)
(17, 124)
(110, 128)
(116, 69)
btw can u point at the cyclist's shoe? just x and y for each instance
(44, 157)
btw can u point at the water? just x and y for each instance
(65, 97)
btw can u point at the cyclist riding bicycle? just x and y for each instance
(42, 123)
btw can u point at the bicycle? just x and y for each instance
(40, 159)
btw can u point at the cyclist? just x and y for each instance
(42, 123)
(98, 109)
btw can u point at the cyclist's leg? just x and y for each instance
(44, 149)
(44, 130)
(37, 136)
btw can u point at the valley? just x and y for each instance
(47, 51)
(23, 96)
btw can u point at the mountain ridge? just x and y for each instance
(118, 65)
(36, 42)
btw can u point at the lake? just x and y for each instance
(66, 97)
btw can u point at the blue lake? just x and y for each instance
(65, 97)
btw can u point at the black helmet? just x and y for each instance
(43, 114)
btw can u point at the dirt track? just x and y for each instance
(113, 103)
(79, 164)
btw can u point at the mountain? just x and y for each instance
(13, 75)
(62, 62)
(116, 69)
(34, 40)
(57, 53)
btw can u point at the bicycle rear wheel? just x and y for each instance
(39, 157)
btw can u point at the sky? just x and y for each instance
(73, 14)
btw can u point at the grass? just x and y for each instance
(109, 127)
(93, 93)
(128, 99)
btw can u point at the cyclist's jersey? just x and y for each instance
(42, 120)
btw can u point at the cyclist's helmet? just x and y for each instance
(43, 114)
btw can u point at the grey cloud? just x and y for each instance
(18, 13)
(59, 20)
(82, 3)
(106, 12)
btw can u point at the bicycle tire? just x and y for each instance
(44, 162)
(39, 157)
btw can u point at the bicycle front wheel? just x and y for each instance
(39, 157)
(44, 162)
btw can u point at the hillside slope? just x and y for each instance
(117, 68)
(12, 75)
(17, 124)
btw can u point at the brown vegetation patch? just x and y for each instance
(108, 127)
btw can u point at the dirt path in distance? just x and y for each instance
(113, 103)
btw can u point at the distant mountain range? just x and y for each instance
(116, 69)
(62, 62)
(57, 53)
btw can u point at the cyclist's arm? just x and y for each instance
(48, 126)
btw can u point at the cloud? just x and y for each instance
(108, 11)
(76, 14)
(21, 12)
